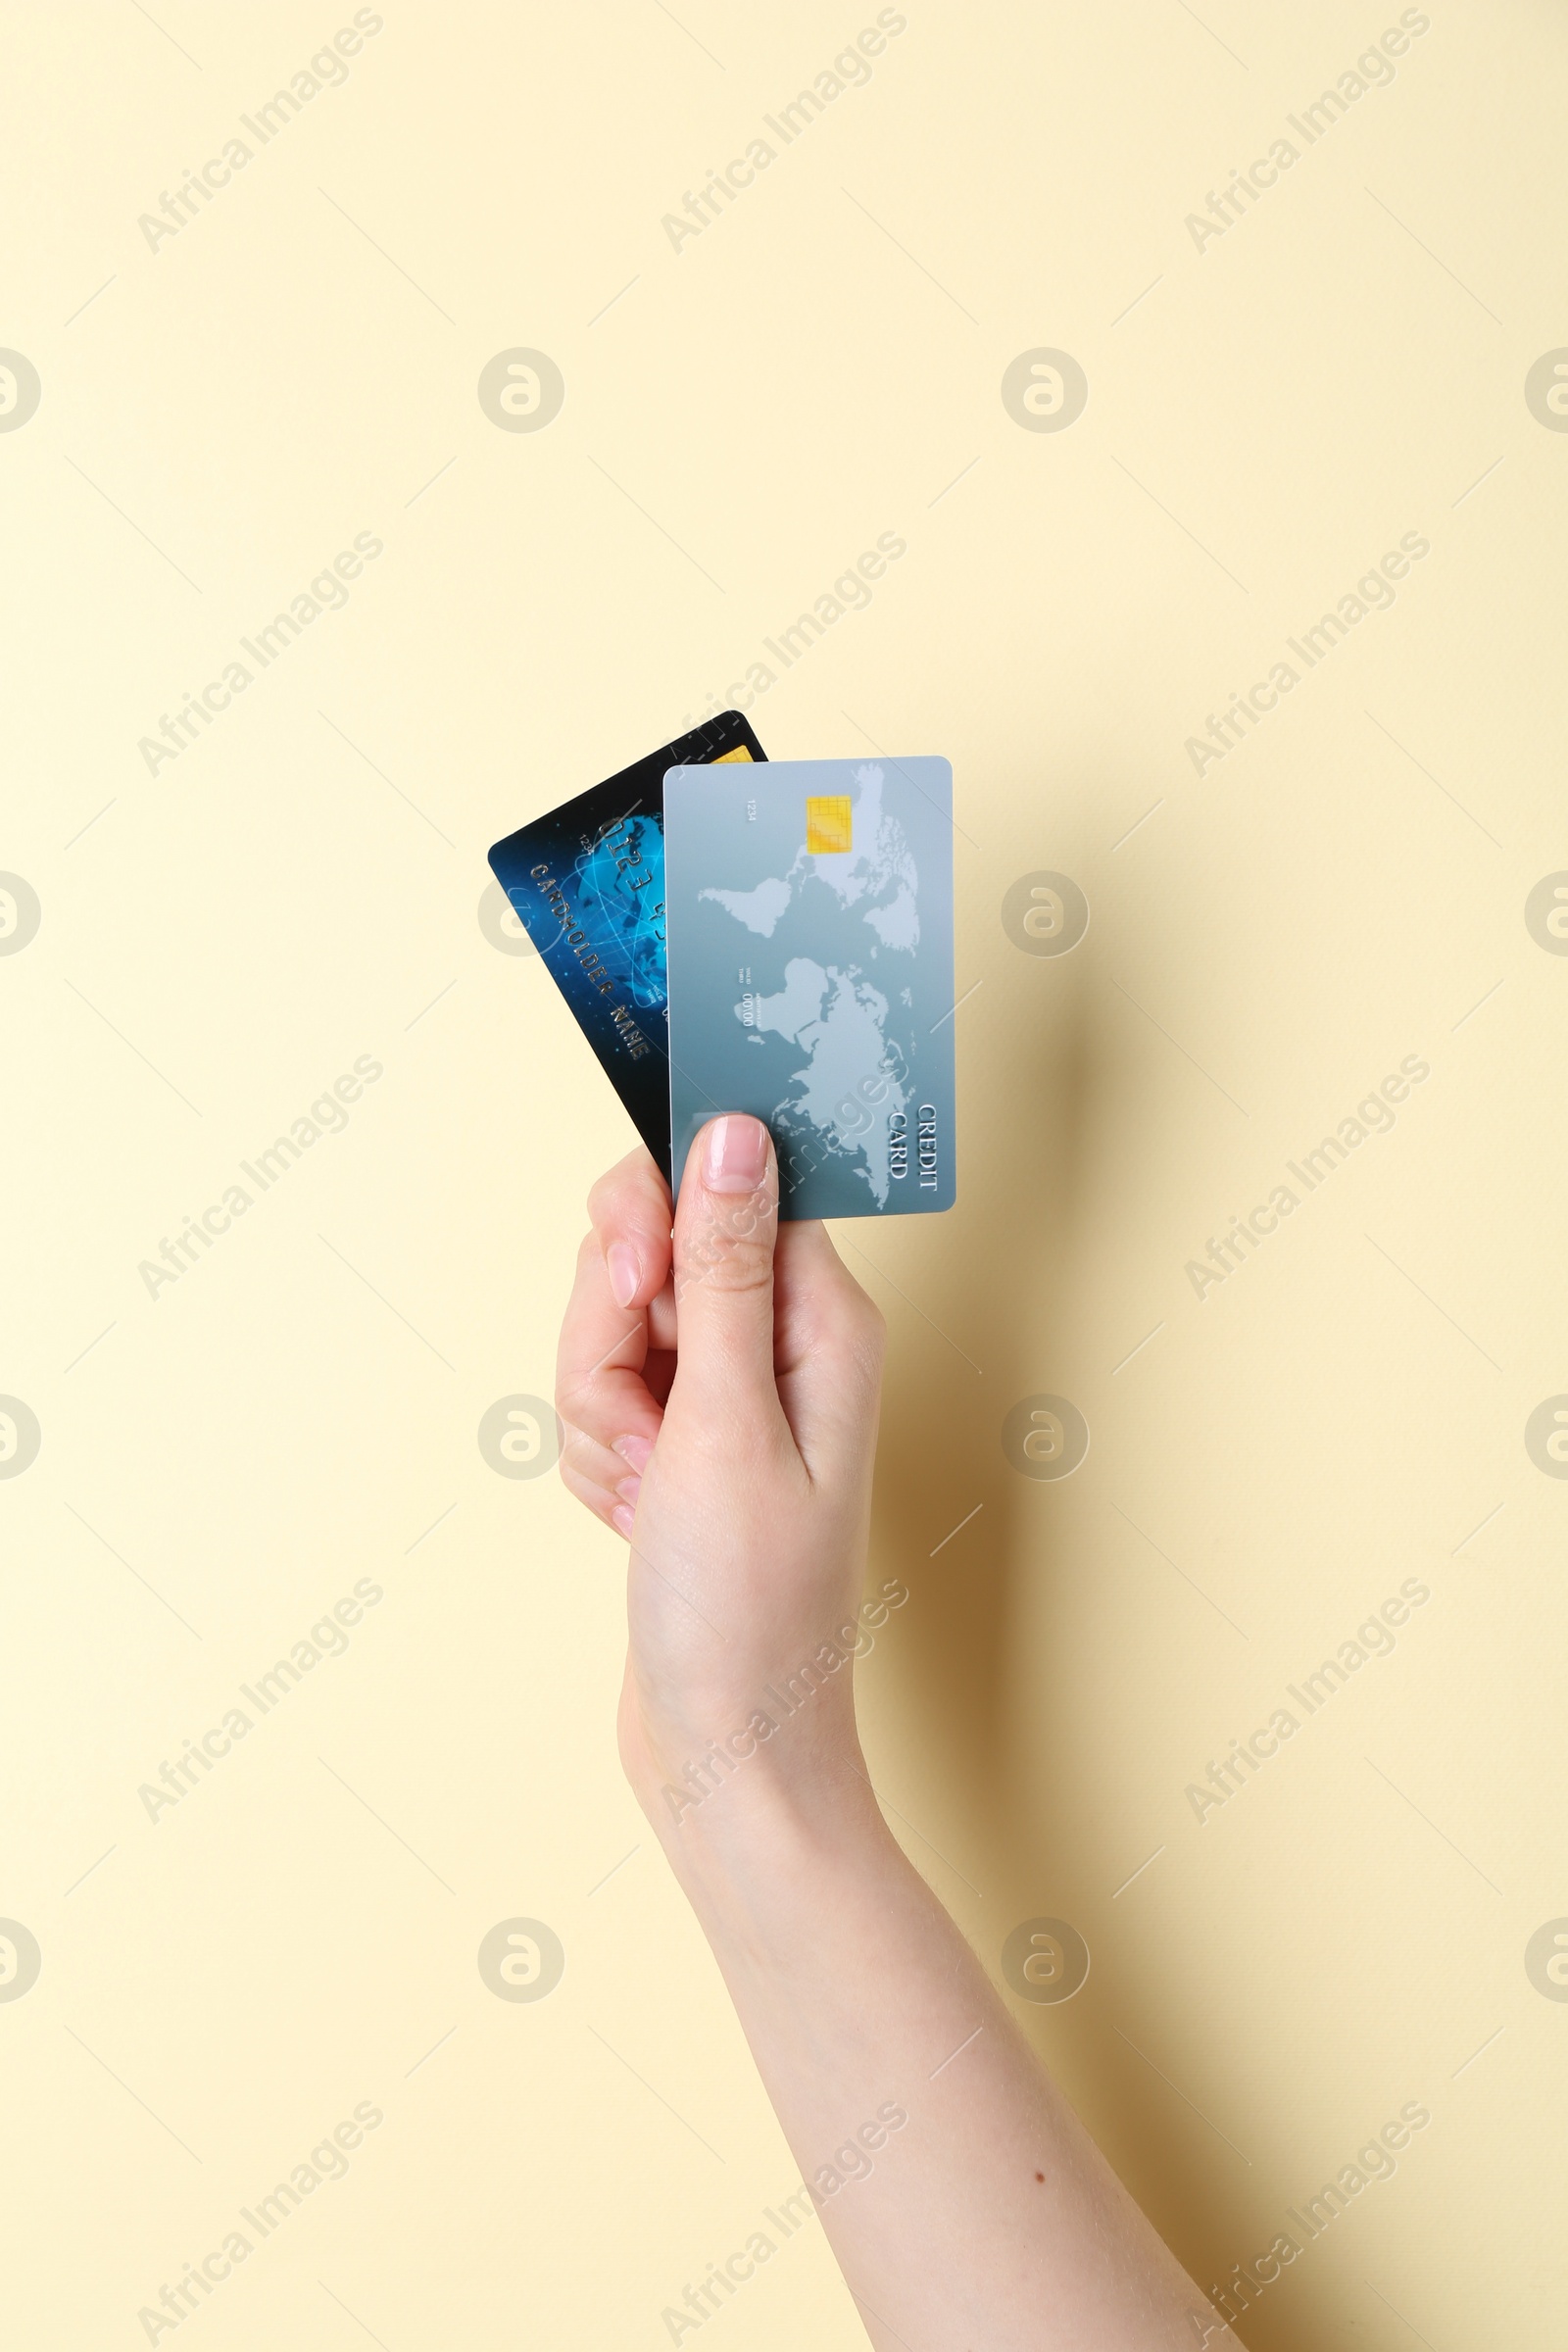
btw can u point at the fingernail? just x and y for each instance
(621, 1520)
(634, 1453)
(626, 1271)
(736, 1155)
(628, 1490)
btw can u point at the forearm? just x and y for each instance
(986, 2216)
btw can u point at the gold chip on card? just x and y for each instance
(827, 825)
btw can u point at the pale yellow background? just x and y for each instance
(301, 887)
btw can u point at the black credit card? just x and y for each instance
(587, 882)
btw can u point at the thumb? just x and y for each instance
(726, 1222)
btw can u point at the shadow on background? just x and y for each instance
(999, 1741)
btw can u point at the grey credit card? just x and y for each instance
(809, 930)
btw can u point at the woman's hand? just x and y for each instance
(721, 1404)
(720, 1393)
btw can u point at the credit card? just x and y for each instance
(809, 914)
(587, 882)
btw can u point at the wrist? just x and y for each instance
(686, 1749)
(748, 1848)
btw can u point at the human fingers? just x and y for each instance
(726, 1220)
(600, 1389)
(603, 1481)
(629, 1209)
